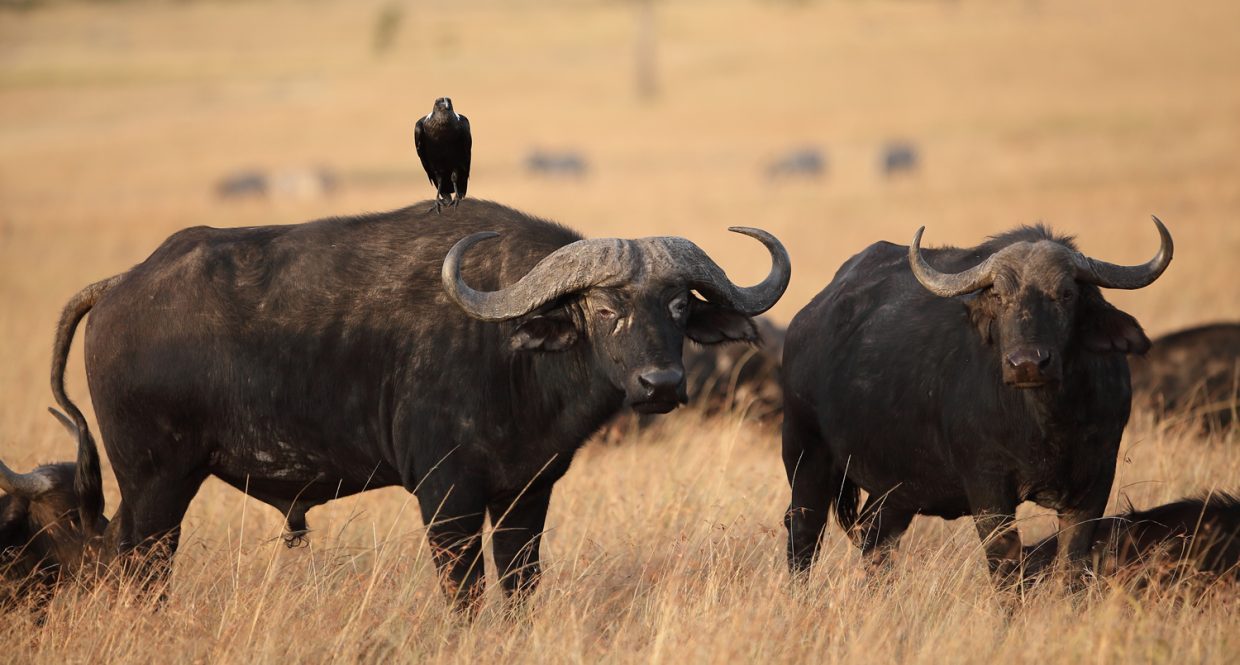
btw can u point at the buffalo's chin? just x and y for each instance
(654, 407)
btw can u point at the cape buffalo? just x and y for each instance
(41, 537)
(305, 362)
(1190, 535)
(1194, 373)
(955, 382)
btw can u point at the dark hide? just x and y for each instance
(914, 398)
(1193, 374)
(305, 362)
(1190, 535)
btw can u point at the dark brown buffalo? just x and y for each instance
(1192, 374)
(960, 381)
(1199, 535)
(41, 537)
(465, 362)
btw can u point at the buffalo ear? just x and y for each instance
(1105, 329)
(982, 314)
(711, 325)
(544, 333)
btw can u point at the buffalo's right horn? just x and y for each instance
(946, 284)
(28, 485)
(571, 268)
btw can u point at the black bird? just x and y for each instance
(444, 142)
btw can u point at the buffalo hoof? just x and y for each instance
(294, 539)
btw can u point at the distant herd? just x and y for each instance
(467, 356)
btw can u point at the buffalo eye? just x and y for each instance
(678, 308)
(996, 297)
(605, 313)
(1067, 295)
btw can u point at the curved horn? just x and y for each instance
(573, 267)
(706, 275)
(946, 284)
(64, 421)
(27, 485)
(1111, 276)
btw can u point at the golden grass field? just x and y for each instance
(116, 119)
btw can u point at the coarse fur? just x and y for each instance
(1193, 373)
(913, 398)
(1198, 535)
(306, 362)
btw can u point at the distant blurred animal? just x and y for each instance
(563, 163)
(807, 161)
(899, 157)
(960, 381)
(242, 185)
(444, 142)
(1190, 535)
(287, 184)
(1193, 372)
(41, 535)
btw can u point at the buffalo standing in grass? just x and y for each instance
(955, 382)
(1192, 373)
(306, 362)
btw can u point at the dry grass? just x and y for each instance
(116, 120)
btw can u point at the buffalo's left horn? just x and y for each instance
(946, 284)
(707, 277)
(1111, 276)
(27, 485)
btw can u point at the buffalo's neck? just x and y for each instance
(566, 396)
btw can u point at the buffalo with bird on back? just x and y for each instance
(306, 362)
(954, 382)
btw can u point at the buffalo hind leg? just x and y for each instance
(879, 530)
(813, 479)
(518, 524)
(454, 531)
(152, 516)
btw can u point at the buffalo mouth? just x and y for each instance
(1026, 385)
(655, 406)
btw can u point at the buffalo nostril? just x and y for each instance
(1044, 361)
(660, 378)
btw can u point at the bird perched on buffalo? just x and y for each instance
(443, 142)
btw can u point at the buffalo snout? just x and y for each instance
(658, 390)
(1029, 367)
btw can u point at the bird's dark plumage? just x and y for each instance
(443, 142)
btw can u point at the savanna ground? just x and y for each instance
(117, 118)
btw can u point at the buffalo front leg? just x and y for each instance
(1076, 533)
(518, 524)
(454, 531)
(994, 515)
(812, 479)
